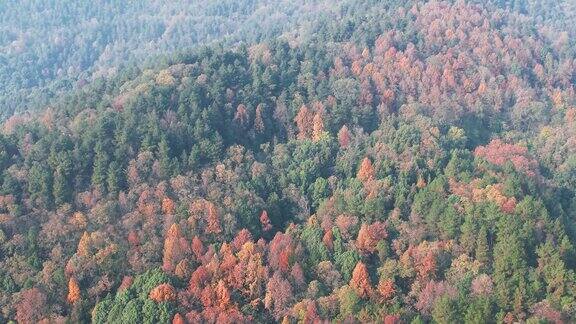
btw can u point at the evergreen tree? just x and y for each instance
(100, 167)
(482, 248)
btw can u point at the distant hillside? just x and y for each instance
(47, 47)
(50, 47)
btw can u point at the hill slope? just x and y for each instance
(415, 164)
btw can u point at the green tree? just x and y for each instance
(482, 248)
(349, 302)
(554, 273)
(132, 312)
(113, 178)
(510, 259)
(346, 261)
(100, 167)
(150, 312)
(319, 192)
(312, 238)
(40, 183)
(164, 158)
(101, 310)
(446, 311)
(63, 181)
(478, 311)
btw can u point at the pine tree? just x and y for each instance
(469, 236)
(510, 268)
(482, 248)
(164, 158)
(446, 311)
(40, 183)
(259, 120)
(113, 178)
(552, 269)
(100, 168)
(62, 181)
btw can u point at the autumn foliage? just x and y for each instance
(74, 294)
(500, 153)
(409, 161)
(178, 319)
(304, 122)
(386, 289)
(84, 245)
(366, 170)
(162, 293)
(317, 127)
(176, 247)
(213, 219)
(370, 235)
(360, 281)
(265, 221)
(344, 136)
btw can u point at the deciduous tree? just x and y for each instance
(304, 121)
(344, 136)
(360, 281)
(162, 293)
(317, 127)
(366, 170)
(213, 220)
(265, 221)
(176, 247)
(74, 293)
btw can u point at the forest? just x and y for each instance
(49, 47)
(337, 161)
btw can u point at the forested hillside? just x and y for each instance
(50, 47)
(409, 162)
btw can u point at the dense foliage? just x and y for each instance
(413, 162)
(49, 47)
